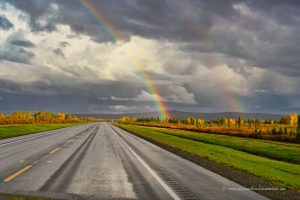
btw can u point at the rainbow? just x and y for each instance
(231, 100)
(116, 36)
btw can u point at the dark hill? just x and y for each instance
(184, 115)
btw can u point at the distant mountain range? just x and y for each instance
(184, 115)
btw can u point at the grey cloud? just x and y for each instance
(18, 55)
(59, 52)
(210, 32)
(5, 24)
(145, 18)
(269, 41)
(36, 10)
(259, 40)
(64, 44)
(58, 93)
(22, 43)
(14, 50)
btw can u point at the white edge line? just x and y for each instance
(152, 172)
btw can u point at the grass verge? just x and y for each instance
(24, 197)
(8, 131)
(278, 172)
(283, 151)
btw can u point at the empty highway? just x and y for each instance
(101, 161)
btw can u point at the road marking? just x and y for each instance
(11, 177)
(152, 172)
(21, 161)
(49, 161)
(55, 150)
(70, 141)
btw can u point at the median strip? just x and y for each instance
(11, 177)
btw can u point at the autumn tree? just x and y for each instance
(293, 119)
(61, 117)
(22, 117)
(44, 116)
(231, 122)
(188, 120)
(224, 121)
(71, 118)
(298, 128)
(201, 122)
(2, 118)
(125, 119)
(239, 121)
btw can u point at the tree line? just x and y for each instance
(287, 128)
(22, 117)
(289, 119)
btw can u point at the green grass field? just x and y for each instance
(232, 151)
(283, 151)
(7, 131)
(23, 197)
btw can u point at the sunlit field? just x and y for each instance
(7, 131)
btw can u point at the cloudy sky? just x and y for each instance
(201, 55)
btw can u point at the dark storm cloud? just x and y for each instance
(5, 24)
(22, 43)
(265, 103)
(269, 41)
(18, 55)
(15, 49)
(35, 9)
(57, 94)
(51, 84)
(264, 34)
(257, 35)
(165, 19)
(145, 18)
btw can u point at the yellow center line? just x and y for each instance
(55, 150)
(11, 177)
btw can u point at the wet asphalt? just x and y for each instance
(102, 161)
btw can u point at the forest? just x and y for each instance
(41, 117)
(285, 129)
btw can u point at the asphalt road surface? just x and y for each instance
(101, 161)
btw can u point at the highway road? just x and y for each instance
(101, 161)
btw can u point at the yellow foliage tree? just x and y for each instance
(231, 122)
(293, 119)
(125, 119)
(61, 116)
(201, 122)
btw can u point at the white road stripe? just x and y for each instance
(152, 172)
